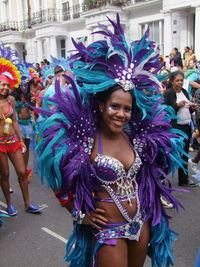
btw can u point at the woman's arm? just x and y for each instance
(94, 219)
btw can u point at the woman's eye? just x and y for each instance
(113, 106)
(128, 110)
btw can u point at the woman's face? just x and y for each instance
(190, 52)
(174, 51)
(4, 88)
(116, 111)
(177, 83)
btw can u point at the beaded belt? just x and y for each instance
(8, 140)
(121, 198)
(129, 231)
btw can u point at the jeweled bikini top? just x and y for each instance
(6, 115)
(110, 170)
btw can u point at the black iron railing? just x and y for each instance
(53, 15)
(91, 4)
(140, 1)
(9, 25)
(43, 16)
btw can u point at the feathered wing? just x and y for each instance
(160, 148)
(66, 140)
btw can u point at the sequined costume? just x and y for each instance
(67, 139)
(9, 143)
(110, 171)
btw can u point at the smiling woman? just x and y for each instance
(11, 142)
(116, 109)
(109, 143)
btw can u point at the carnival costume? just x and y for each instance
(67, 139)
(27, 126)
(11, 75)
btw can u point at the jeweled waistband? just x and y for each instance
(110, 200)
(129, 231)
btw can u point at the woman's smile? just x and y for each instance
(116, 112)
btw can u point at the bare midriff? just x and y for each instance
(112, 213)
(11, 132)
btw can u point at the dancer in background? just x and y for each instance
(11, 142)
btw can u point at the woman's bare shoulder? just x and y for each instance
(11, 99)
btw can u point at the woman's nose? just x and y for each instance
(120, 113)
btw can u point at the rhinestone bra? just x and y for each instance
(111, 171)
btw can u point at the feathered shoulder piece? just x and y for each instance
(67, 137)
(161, 148)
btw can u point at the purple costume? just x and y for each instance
(67, 139)
(110, 171)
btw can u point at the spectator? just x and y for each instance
(37, 67)
(193, 163)
(178, 98)
(190, 56)
(191, 78)
(46, 62)
(175, 60)
(186, 52)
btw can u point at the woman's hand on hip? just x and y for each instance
(96, 218)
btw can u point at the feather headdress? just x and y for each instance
(9, 73)
(8, 70)
(114, 60)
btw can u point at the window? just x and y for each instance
(23, 10)
(62, 48)
(66, 10)
(40, 5)
(76, 9)
(156, 32)
(44, 48)
(7, 13)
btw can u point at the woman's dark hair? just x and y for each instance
(17, 93)
(172, 76)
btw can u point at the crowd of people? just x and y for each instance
(181, 90)
(115, 123)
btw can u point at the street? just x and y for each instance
(30, 240)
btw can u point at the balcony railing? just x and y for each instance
(43, 16)
(91, 4)
(140, 1)
(9, 25)
(53, 15)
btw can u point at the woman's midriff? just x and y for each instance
(112, 213)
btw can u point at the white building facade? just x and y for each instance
(40, 28)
